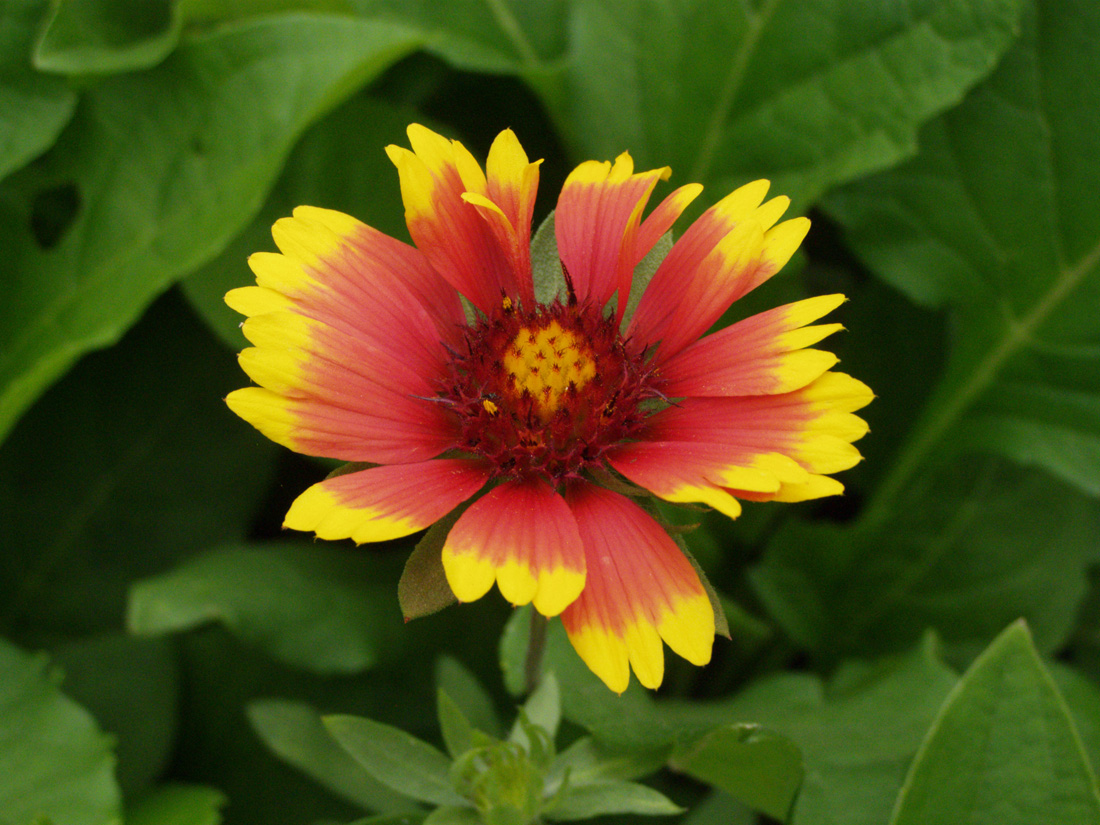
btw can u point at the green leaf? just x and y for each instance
(604, 797)
(474, 703)
(995, 221)
(107, 36)
(1003, 749)
(512, 649)
(755, 766)
(33, 107)
(1082, 697)
(588, 760)
(458, 734)
(398, 760)
(809, 93)
(169, 165)
(308, 606)
(453, 815)
(857, 734)
(54, 761)
(969, 549)
(128, 465)
(295, 732)
(178, 805)
(131, 687)
(542, 708)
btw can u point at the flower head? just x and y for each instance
(364, 351)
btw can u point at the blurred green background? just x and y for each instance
(948, 152)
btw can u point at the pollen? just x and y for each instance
(548, 362)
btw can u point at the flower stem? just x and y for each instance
(536, 646)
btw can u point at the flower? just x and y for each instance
(363, 351)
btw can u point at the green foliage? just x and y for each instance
(54, 761)
(168, 165)
(178, 805)
(218, 670)
(1015, 257)
(306, 606)
(1030, 765)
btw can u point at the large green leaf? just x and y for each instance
(107, 36)
(810, 93)
(33, 107)
(312, 607)
(752, 765)
(996, 220)
(169, 165)
(1003, 750)
(54, 761)
(127, 465)
(967, 551)
(857, 733)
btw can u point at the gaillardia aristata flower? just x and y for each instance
(545, 413)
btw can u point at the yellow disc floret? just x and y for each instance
(544, 362)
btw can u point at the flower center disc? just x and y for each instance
(546, 392)
(547, 363)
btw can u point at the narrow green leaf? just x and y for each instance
(34, 107)
(396, 759)
(542, 708)
(605, 797)
(808, 93)
(1003, 749)
(588, 760)
(994, 220)
(295, 733)
(458, 733)
(512, 649)
(54, 761)
(757, 767)
(107, 36)
(308, 606)
(468, 694)
(178, 805)
(169, 164)
(453, 815)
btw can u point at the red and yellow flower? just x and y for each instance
(364, 351)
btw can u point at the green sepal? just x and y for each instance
(423, 588)
(546, 268)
